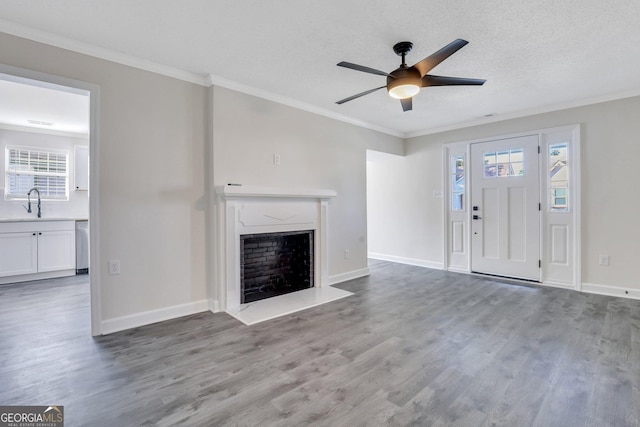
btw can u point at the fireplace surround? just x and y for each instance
(251, 210)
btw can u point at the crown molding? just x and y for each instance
(530, 112)
(203, 80)
(269, 96)
(40, 36)
(99, 52)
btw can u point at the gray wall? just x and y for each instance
(152, 187)
(164, 145)
(315, 152)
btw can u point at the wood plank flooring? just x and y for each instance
(413, 346)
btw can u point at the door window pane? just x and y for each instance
(504, 163)
(457, 183)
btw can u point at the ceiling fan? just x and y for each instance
(405, 82)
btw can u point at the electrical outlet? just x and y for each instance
(604, 260)
(276, 159)
(114, 267)
(347, 255)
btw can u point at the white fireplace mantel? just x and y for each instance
(252, 210)
(233, 191)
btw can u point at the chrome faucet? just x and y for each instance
(29, 201)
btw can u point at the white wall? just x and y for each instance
(610, 153)
(78, 204)
(315, 152)
(398, 198)
(152, 145)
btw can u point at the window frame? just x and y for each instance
(44, 195)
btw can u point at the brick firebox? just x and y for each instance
(273, 264)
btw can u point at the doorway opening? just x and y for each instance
(505, 208)
(48, 142)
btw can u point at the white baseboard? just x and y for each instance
(37, 276)
(458, 270)
(339, 278)
(555, 284)
(148, 317)
(613, 291)
(409, 261)
(214, 306)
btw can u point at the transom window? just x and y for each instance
(500, 164)
(41, 168)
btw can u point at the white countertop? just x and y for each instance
(35, 219)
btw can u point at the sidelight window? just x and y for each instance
(558, 177)
(457, 183)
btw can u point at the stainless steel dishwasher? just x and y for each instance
(82, 247)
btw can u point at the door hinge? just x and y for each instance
(538, 149)
(539, 263)
(539, 206)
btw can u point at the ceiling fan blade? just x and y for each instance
(363, 69)
(431, 80)
(428, 63)
(366, 92)
(407, 104)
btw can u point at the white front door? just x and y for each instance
(505, 203)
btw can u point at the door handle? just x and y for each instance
(476, 217)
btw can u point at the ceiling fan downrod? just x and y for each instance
(401, 49)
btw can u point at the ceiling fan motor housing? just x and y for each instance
(404, 78)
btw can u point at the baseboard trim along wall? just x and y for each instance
(409, 261)
(214, 306)
(561, 285)
(355, 274)
(117, 324)
(148, 317)
(612, 291)
(591, 288)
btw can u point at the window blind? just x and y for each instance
(46, 170)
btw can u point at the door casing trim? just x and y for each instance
(464, 147)
(94, 187)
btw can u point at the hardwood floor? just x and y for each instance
(413, 346)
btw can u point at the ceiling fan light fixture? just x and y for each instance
(404, 83)
(404, 91)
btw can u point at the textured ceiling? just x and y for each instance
(535, 55)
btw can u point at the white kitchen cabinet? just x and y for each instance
(31, 250)
(18, 253)
(81, 170)
(56, 250)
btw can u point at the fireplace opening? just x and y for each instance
(273, 264)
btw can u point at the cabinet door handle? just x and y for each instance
(34, 234)
(40, 234)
